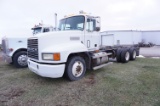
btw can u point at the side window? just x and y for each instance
(62, 27)
(46, 30)
(90, 26)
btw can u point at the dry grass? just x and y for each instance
(136, 83)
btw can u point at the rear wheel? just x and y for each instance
(132, 54)
(118, 55)
(125, 55)
(75, 68)
(20, 59)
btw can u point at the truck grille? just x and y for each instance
(33, 48)
(4, 46)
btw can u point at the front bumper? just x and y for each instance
(45, 70)
(6, 58)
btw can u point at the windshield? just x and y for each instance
(72, 23)
(36, 30)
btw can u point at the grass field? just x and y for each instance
(136, 83)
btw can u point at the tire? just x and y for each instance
(20, 59)
(133, 53)
(137, 52)
(118, 55)
(75, 68)
(125, 55)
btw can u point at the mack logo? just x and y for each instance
(32, 49)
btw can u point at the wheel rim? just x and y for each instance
(77, 69)
(134, 54)
(22, 60)
(127, 56)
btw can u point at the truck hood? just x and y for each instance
(59, 37)
(15, 37)
(59, 33)
(15, 43)
(64, 42)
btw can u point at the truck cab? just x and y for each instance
(73, 49)
(77, 35)
(15, 48)
(41, 29)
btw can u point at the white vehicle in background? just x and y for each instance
(75, 48)
(15, 48)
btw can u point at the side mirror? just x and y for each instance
(98, 24)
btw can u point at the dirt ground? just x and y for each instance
(150, 52)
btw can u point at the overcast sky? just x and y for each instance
(18, 16)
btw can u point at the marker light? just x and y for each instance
(10, 49)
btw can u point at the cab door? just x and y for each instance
(91, 35)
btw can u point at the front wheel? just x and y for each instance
(75, 68)
(20, 59)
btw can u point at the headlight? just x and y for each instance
(51, 56)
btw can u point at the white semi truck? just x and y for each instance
(15, 48)
(75, 48)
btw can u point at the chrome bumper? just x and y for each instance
(46, 70)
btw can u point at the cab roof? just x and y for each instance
(72, 15)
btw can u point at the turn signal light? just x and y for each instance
(56, 56)
(96, 51)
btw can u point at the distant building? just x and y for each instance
(129, 37)
(151, 36)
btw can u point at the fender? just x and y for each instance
(16, 43)
(19, 49)
(15, 50)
